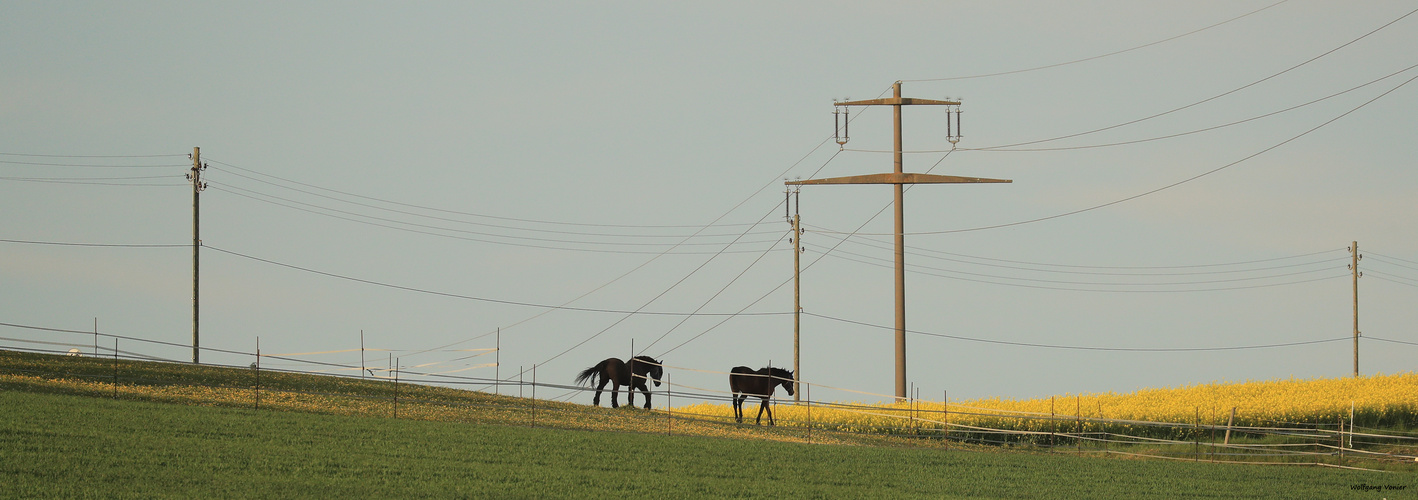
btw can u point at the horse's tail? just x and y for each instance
(590, 373)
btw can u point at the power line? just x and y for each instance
(1386, 277)
(997, 149)
(1076, 61)
(67, 244)
(124, 178)
(465, 238)
(716, 294)
(1212, 98)
(805, 268)
(1370, 337)
(1140, 270)
(96, 156)
(672, 287)
(470, 214)
(1391, 257)
(725, 320)
(91, 182)
(1043, 287)
(1086, 348)
(1381, 258)
(712, 224)
(1168, 186)
(465, 231)
(30, 163)
(446, 219)
(480, 299)
(1197, 131)
(1187, 266)
(1096, 283)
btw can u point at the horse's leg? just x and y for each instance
(738, 408)
(761, 408)
(630, 393)
(615, 394)
(770, 411)
(646, 389)
(597, 400)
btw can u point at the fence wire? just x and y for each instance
(399, 393)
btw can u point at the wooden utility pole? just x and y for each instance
(1354, 267)
(897, 179)
(197, 186)
(796, 241)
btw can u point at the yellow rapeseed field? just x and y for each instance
(1378, 400)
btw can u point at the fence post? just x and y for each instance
(1103, 433)
(534, 396)
(669, 408)
(916, 411)
(1196, 435)
(1078, 416)
(1229, 421)
(497, 365)
(115, 368)
(1351, 424)
(258, 373)
(396, 389)
(1211, 451)
(1339, 435)
(807, 395)
(945, 409)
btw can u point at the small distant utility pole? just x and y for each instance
(197, 186)
(1354, 266)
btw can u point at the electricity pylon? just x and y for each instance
(897, 178)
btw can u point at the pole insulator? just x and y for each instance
(840, 120)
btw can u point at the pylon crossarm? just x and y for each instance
(899, 178)
(898, 101)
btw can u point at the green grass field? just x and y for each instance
(60, 446)
(67, 444)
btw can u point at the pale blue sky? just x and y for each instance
(534, 152)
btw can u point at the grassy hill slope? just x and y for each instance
(73, 446)
(68, 431)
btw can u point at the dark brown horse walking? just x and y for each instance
(745, 382)
(617, 372)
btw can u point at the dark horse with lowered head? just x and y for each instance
(745, 382)
(632, 374)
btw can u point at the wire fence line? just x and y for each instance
(915, 418)
(928, 423)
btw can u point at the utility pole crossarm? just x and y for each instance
(898, 101)
(898, 178)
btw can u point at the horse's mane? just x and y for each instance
(777, 373)
(648, 359)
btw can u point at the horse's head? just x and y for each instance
(784, 377)
(652, 368)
